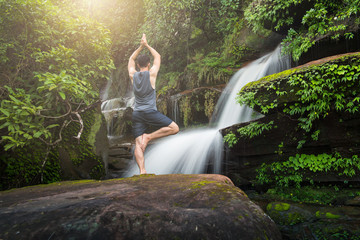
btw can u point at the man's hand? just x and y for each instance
(143, 40)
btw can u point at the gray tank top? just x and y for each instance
(145, 95)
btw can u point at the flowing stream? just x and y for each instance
(200, 150)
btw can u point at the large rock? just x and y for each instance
(140, 207)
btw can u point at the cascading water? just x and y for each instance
(200, 150)
(114, 110)
(175, 107)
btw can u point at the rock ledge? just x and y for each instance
(141, 207)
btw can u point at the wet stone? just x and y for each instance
(175, 206)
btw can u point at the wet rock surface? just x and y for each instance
(120, 156)
(141, 207)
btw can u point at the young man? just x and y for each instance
(145, 111)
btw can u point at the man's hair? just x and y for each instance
(143, 60)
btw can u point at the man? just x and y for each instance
(145, 111)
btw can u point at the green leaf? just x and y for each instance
(37, 134)
(62, 95)
(5, 112)
(9, 145)
(5, 125)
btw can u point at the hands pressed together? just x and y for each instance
(143, 41)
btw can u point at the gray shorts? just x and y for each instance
(142, 119)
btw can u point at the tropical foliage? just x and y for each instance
(315, 92)
(319, 19)
(52, 66)
(55, 56)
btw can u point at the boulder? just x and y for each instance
(141, 207)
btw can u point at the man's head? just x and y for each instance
(143, 60)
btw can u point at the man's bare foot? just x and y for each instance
(145, 138)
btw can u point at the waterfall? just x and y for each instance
(200, 150)
(114, 109)
(175, 116)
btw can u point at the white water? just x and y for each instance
(175, 104)
(114, 109)
(200, 150)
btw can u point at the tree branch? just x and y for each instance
(81, 126)
(57, 117)
(65, 124)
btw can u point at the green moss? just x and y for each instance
(269, 207)
(332, 216)
(210, 102)
(27, 166)
(74, 182)
(94, 129)
(137, 177)
(185, 108)
(287, 73)
(295, 218)
(283, 215)
(84, 150)
(266, 80)
(328, 215)
(282, 206)
(201, 184)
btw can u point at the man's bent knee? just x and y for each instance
(174, 127)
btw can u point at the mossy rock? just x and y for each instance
(326, 215)
(86, 158)
(287, 214)
(192, 107)
(178, 206)
(276, 89)
(320, 222)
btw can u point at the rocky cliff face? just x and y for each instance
(140, 207)
(191, 107)
(319, 114)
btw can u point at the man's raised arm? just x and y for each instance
(131, 64)
(157, 58)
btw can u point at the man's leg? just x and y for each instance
(173, 128)
(139, 155)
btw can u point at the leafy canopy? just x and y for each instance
(53, 60)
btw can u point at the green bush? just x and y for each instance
(249, 131)
(296, 169)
